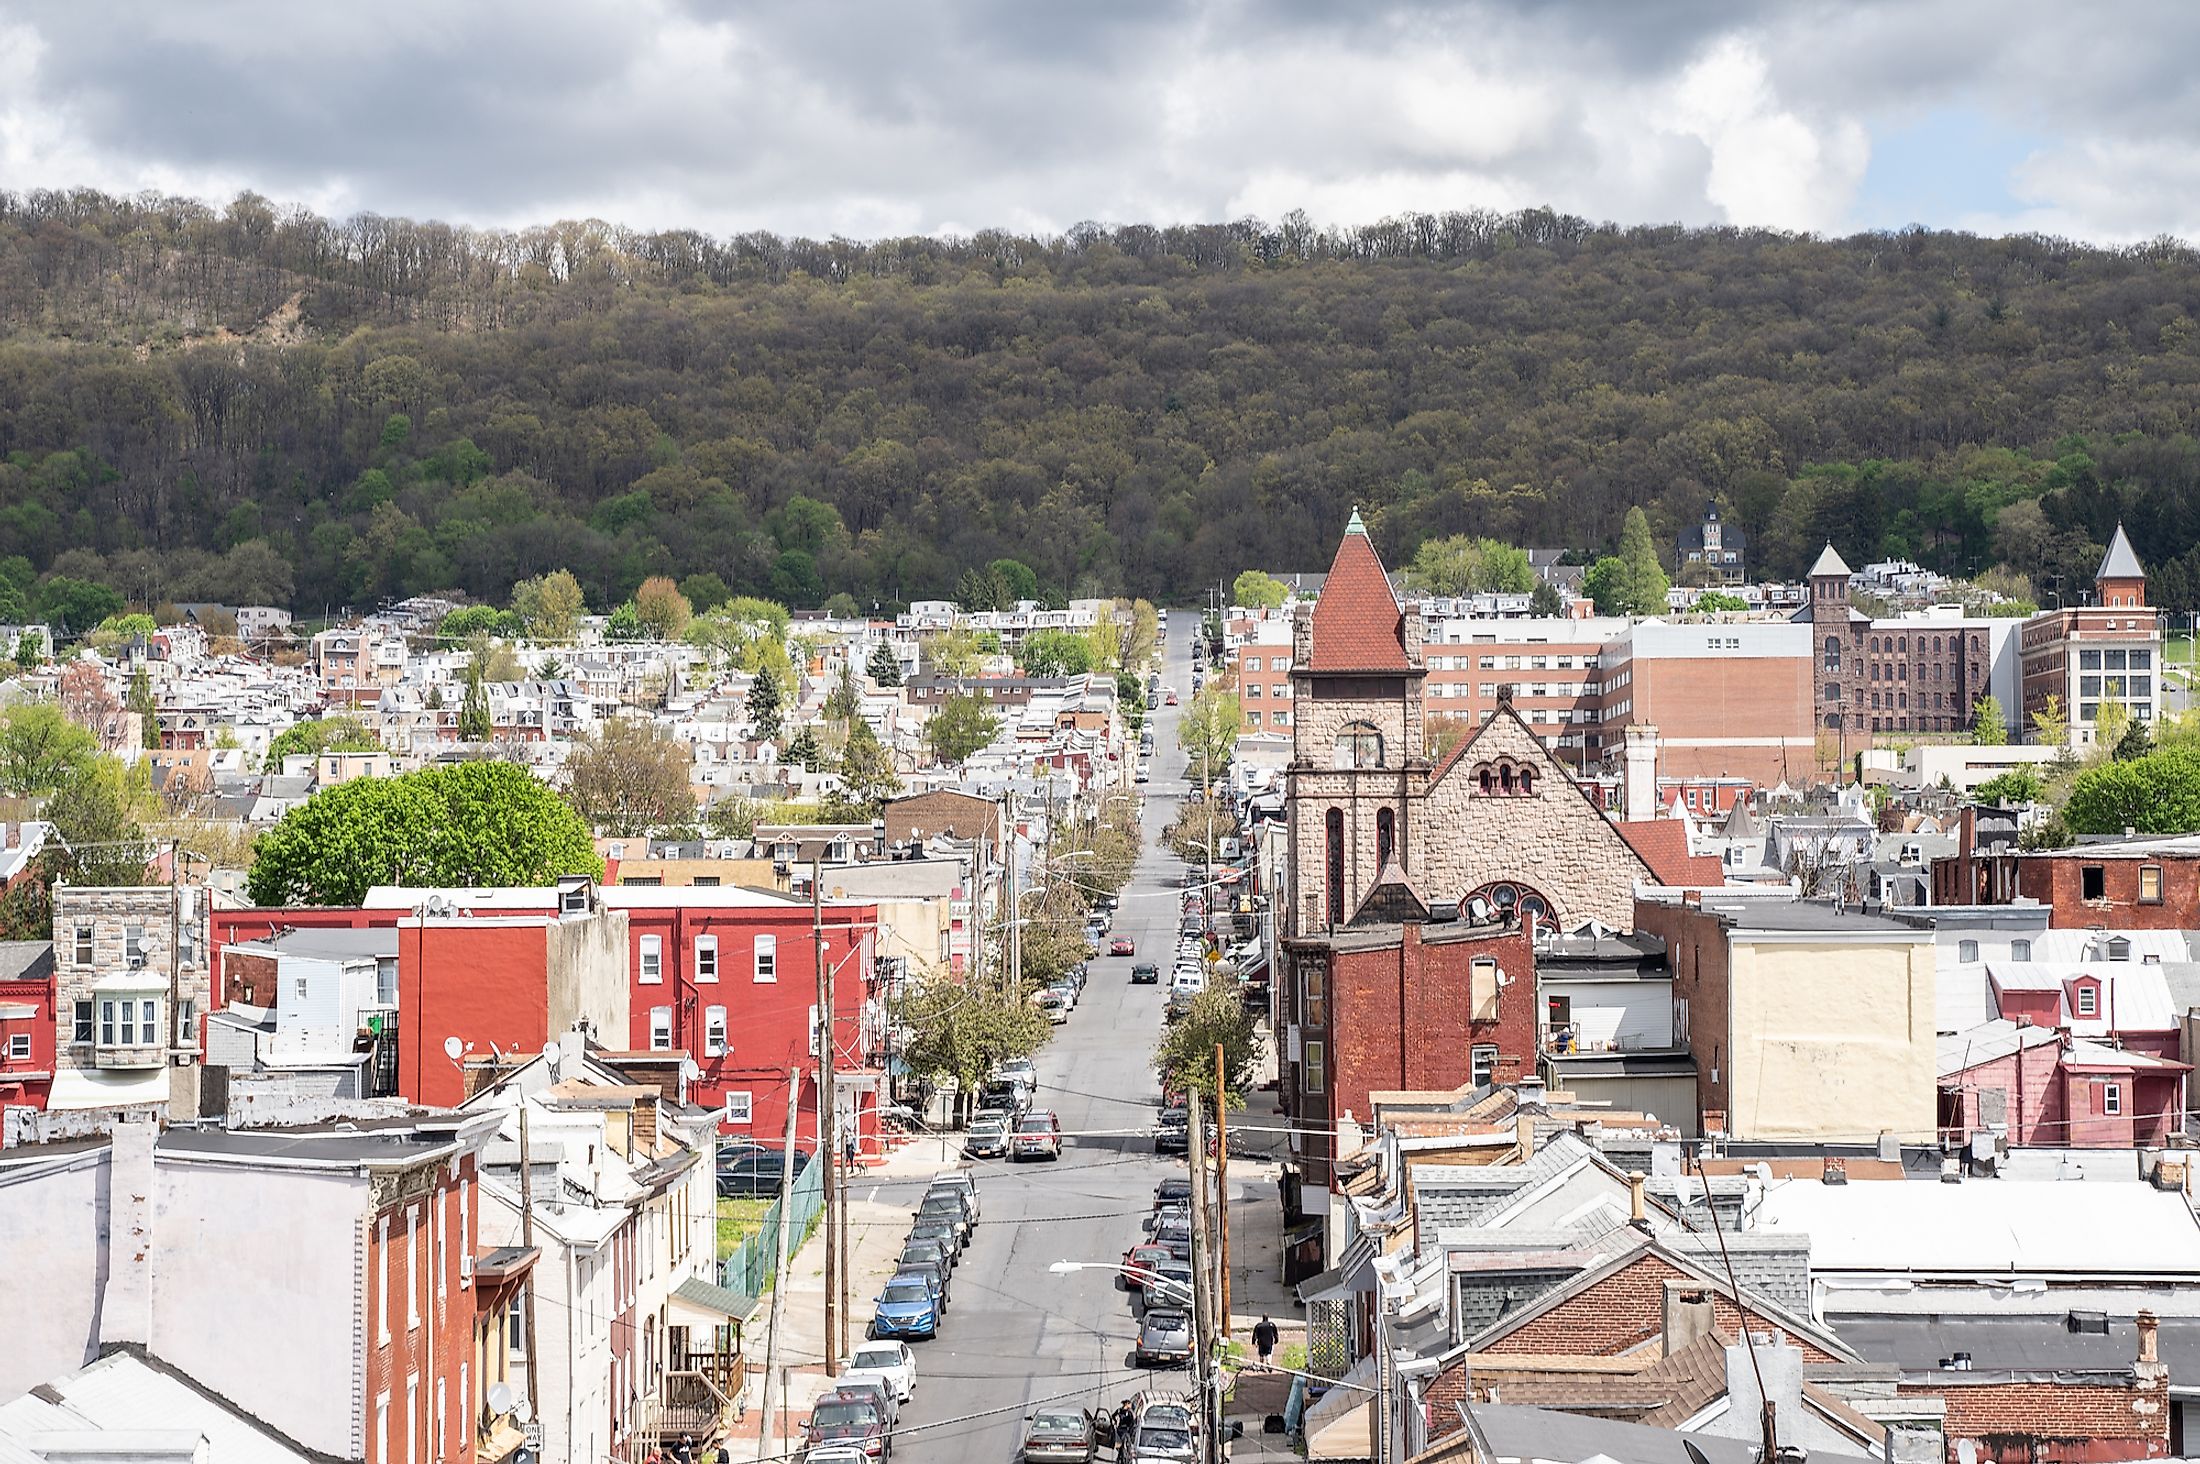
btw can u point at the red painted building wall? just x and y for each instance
(25, 1080)
(2059, 880)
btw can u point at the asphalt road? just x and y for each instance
(1016, 1335)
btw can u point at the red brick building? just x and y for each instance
(1393, 1003)
(2147, 883)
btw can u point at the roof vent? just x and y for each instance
(2094, 1323)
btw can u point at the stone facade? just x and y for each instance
(124, 945)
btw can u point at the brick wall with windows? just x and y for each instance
(2088, 888)
(419, 1312)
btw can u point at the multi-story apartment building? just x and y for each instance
(130, 982)
(1547, 666)
(1261, 664)
(2093, 656)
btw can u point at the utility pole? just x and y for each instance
(1012, 980)
(779, 1276)
(1222, 1194)
(1203, 1350)
(527, 1238)
(828, 1116)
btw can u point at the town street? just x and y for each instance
(1017, 1335)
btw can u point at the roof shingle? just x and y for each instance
(1357, 623)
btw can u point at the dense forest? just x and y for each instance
(253, 404)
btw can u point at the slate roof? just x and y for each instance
(1357, 623)
(1828, 562)
(2119, 562)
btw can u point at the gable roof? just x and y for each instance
(1357, 623)
(1390, 900)
(2119, 562)
(1662, 843)
(1551, 769)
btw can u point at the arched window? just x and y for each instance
(1505, 778)
(1359, 745)
(1334, 829)
(1487, 781)
(1833, 653)
(1386, 835)
(1527, 780)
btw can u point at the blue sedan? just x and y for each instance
(906, 1309)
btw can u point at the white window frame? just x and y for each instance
(2112, 1099)
(2086, 1000)
(766, 964)
(660, 1029)
(649, 959)
(714, 1031)
(706, 959)
(382, 1303)
(1966, 950)
(412, 1280)
(19, 1047)
(1314, 1063)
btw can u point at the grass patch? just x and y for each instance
(1291, 1356)
(738, 1219)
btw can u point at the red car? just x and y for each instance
(1169, 700)
(1122, 945)
(1139, 1263)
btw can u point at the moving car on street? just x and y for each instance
(1146, 974)
(1122, 945)
(1038, 1135)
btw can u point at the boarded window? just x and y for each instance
(1482, 989)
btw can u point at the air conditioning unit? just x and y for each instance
(136, 961)
(465, 1268)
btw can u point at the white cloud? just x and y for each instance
(1768, 165)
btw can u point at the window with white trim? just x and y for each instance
(2112, 1099)
(660, 1029)
(767, 958)
(714, 1031)
(82, 1026)
(652, 960)
(1966, 950)
(2088, 1001)
(706, 958)
(1313, 1065)
(19, 1047)
(741, 1107)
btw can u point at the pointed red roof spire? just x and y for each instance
(1357, 623)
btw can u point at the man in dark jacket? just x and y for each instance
(1264, 1341)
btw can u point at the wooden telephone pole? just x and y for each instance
(828, 1119)
(1222, 1198)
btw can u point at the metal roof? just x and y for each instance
(2007, 1228)
(2119, 562)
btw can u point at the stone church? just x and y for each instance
(1497, 821)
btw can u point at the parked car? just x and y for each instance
(905, 1309)
(1164, 1339)
(1140, 1262)
(1122, 945)
(1065, 992)
(892, 1361)
(939, 1228)
(1158, 1443)
(918, 1254)
(1172, 1286)
(1006, 1093)
(1038, 1135)
(1169, 700)
(1172, 1192)
(877, 1389)
(1050, 1001)
(1059, 1436)
(1141, 776)
(1172, 1132)
(1018, 1070)
(962, 1180)
(757, 1172)
(950, 1204)
(852, 1420)
(1146, 974)
(935, 1285)
(988, 1137)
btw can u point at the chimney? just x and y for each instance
(1636, 1211)
(1837, 1170)
(1688, 1315)
(1524, 1131)
(645, 1123)
(126, 1310)
(1639, 774)
(2149, 1327)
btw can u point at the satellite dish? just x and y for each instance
(454, 1050)
(524, 1411)
(500, 1398)
(690, 1069)
(552, 1053)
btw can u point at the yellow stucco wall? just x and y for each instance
(1832, 1041)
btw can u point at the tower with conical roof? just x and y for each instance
(2120, 583)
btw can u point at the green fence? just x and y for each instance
(748, 1271)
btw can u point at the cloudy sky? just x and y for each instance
(924, 116)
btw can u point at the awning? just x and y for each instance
(698, 1303)
(81, 1088)
(17, 1011)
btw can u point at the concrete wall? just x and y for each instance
(585, 965)
(1832, 1040)
(55, 1218)
(240, 1242)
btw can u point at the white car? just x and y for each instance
(1020, 1069)
(892, 1363)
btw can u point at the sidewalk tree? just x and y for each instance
(1185, 1059)
(468, 824)
(1142, 642)
(960, 1032)
(1258, 590)
(1208, 733)
(629, 776)
(962, 726)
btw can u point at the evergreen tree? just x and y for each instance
(803, 750)
(845, 699)
(766, 702)
(884, 669)
(473, 713)
(1644, 576)
(140, 700)
(1544, 600)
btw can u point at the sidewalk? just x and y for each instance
(882, 1197)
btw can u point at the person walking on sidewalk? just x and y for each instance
(1264, 1342)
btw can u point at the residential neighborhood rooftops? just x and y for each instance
(2004, 1228)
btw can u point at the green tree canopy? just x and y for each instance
(962, 1029)
(1464, 564)
(2155, 794)
(1208, 733)
(867, 777)
(2013, 789)
(1258, 590)
(960, 727)
(1056, 653)
(663, 611)
(551, 604)
(473, 824)
(41, 749)
(1016, 581)
(883, 669)
(75, 606)
(630, 776)
(1185, 1059)
(1631, 582)
(1989, 723)
(317, 735)
(766, 705)
(470, 620)
(1712, 602)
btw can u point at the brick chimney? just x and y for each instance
(2149, 1331)
(645, 1123)
(1837, 1170)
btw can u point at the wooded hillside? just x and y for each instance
(249, 404)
